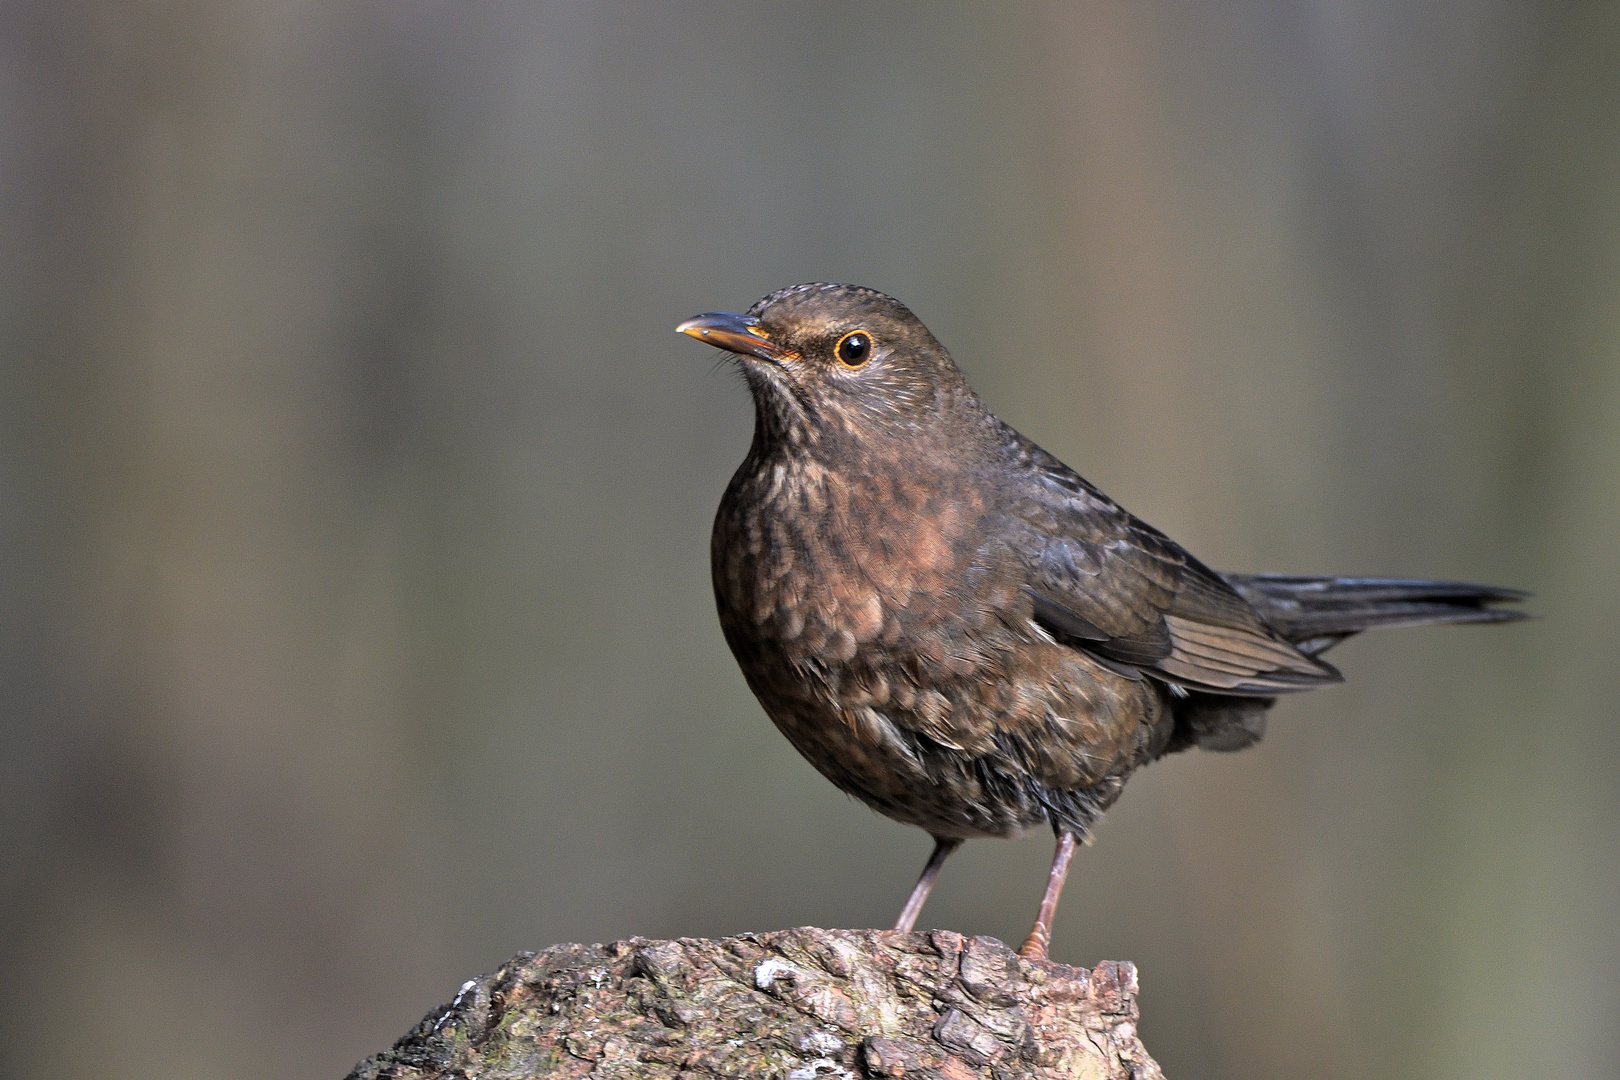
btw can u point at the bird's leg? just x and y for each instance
(925, 884)
(1040, 936)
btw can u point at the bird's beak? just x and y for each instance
(733, 333)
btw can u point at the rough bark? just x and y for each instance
(791, 1005)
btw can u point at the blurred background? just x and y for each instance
(355, 494)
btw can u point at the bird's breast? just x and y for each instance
(818, 563)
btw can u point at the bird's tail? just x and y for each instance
(1315, 613)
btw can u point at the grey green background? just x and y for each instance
(355, 494)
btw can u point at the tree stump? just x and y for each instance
(789, 1005)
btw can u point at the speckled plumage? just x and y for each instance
(951, 624)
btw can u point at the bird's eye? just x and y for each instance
(854, 348)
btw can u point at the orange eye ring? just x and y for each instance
(854, 349)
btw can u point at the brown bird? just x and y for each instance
(956, 628)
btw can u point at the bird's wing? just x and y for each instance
(1130, 596)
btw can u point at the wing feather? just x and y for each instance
(1124, 592)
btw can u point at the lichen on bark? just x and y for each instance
(789, 1005)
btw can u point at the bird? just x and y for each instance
(956, 628)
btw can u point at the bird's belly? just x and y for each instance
(1035, 731)
(866, 755)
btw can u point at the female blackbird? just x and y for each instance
(953, 626)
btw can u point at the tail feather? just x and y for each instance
(1316, 612)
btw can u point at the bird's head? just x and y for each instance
(828, 364)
